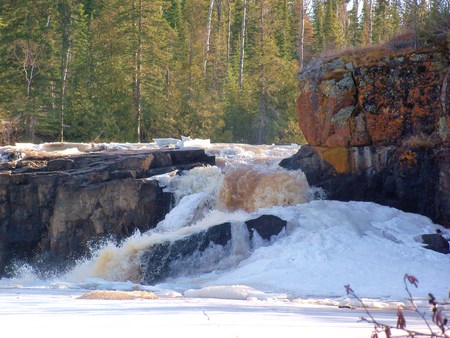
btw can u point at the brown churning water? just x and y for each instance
(248, 188)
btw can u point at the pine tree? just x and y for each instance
(395, 14)
(333, 30)
(354, 38)
(318, 24)
(437, 22)
(381, 24)
(366, 23)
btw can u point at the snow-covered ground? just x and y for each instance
(289, 286)
(54, 313)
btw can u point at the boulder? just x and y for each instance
(436, 242)
(157, 261)
(266, 226)
(163, 260)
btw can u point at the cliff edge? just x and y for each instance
(53, 210)
(377, 122)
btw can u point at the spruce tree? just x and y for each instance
(366, 25)
(353, 26)
(333, 31)
(381, 23)
(318, 24)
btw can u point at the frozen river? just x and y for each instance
(49, 313)
(289, 286)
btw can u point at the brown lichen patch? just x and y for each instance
(118, 295)
(406, 161)
(420, 111)
(337, 74)
(386, 126)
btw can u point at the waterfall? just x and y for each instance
(247, 180)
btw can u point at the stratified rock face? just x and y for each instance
(53, 209)
(378, 129)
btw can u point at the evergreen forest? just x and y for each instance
(134, 70)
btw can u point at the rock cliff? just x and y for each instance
(53, 209)
(377, 122)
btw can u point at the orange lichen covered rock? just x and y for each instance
(350, 104)
(338, 157)
(326, 93)
(377, 122)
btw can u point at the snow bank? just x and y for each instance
(241, 292)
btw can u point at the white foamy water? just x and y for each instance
(326, 244)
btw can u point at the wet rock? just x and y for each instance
(266, 226)
(409, 180)
(436, 242)
(10, 156)
(53, 209)
(163, 260)
(310, 162)
(157, 260)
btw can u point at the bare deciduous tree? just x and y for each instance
(301, 33)
(208, 35)
(241, 61)
(27, 54)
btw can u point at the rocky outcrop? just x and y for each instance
(377, 122)
(167, 258)
(53, 209)
(157, 262)
(436, 242)
(266, 226)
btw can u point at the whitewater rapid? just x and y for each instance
(325, 245)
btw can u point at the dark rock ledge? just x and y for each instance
(53, 209)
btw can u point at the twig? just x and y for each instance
(401, 323)
(413, 280)
(372, 320)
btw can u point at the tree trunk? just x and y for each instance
(241, 61)
(262, 103)
(370, 21)
(26, 53)
(302, 34)
(228, 33)
(208, 35)
(219, 14)
(63, 90)
(415, 13)
(138, 75)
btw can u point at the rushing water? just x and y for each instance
(247, 179)
(325, 245)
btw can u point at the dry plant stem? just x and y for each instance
(372, 320)
(378, 325)
(366, 309)
(416, 309)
